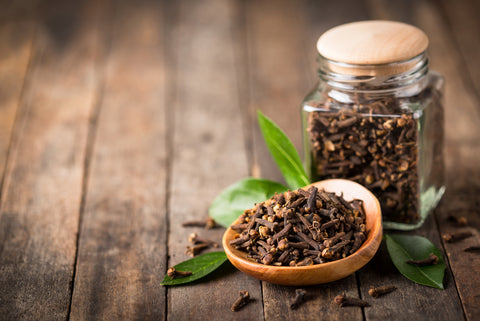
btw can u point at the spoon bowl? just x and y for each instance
(318, 273)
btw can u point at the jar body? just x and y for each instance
(387, 138)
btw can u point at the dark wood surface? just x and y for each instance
(119, 120)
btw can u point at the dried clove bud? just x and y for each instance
(195, 249)
(305, 262)
(381, 290)
(344, 301)
(431, 260)
(195, 239)
(455, 237)
(241, 301)
(472, 249)
(174, 273)
(299, 298)
(460, 221)
(238, 227)
(359, 239)
(209, 223)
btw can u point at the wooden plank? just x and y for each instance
(17, 10)
(207, 154)
(462, 20)
(16, 39)
(410, 300)
(281, 47)
(318, 302)
(43, 178)
(277, 75)
(461, 156)
(122, 245)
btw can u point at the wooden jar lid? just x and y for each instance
(373, 42)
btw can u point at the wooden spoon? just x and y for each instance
(318, 273)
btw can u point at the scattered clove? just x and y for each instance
(299, 298)
(241, 301)
(455, 237)
(432, 259)
(472, 249)
(459, 221)
(344, 301)
(209, 223)
(301, 228)
(381, 290)
(195, 239)
(195, 249)
(173, 273)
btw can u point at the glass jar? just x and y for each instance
(376, 117)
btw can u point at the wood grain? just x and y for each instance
(461, 150)
(207, 154)
(403, 303)
(461, 154)
(277, 74)
(462, 23)
(281, 39)
(122, 245)
(153, 131)
(14, 11)
(43, 178)
(16, 38)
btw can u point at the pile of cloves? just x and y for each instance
(302, 227)
(367, 145)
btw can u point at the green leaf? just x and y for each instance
(283, 152)
(406, 247)
(242, 195)
(200, 266)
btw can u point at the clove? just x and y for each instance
(460, 221)
(333, 252)
(238, 227)
(455, 237)
(241, 301)
(344, 301)
(381, 290)
(432, 259)
(209, 223)
(305, 262)
(282, 233)
(174, 273)
(240, 240)
(472, 249)
(195, 239)
(299, 298)
(359, 239)
(195, 249)
(312, 199)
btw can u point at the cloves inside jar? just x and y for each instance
(302, 227)
(376, 116)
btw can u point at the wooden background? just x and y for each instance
(119, 120)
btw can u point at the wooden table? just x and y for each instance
(121, 120)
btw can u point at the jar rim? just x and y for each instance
(379, 76)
